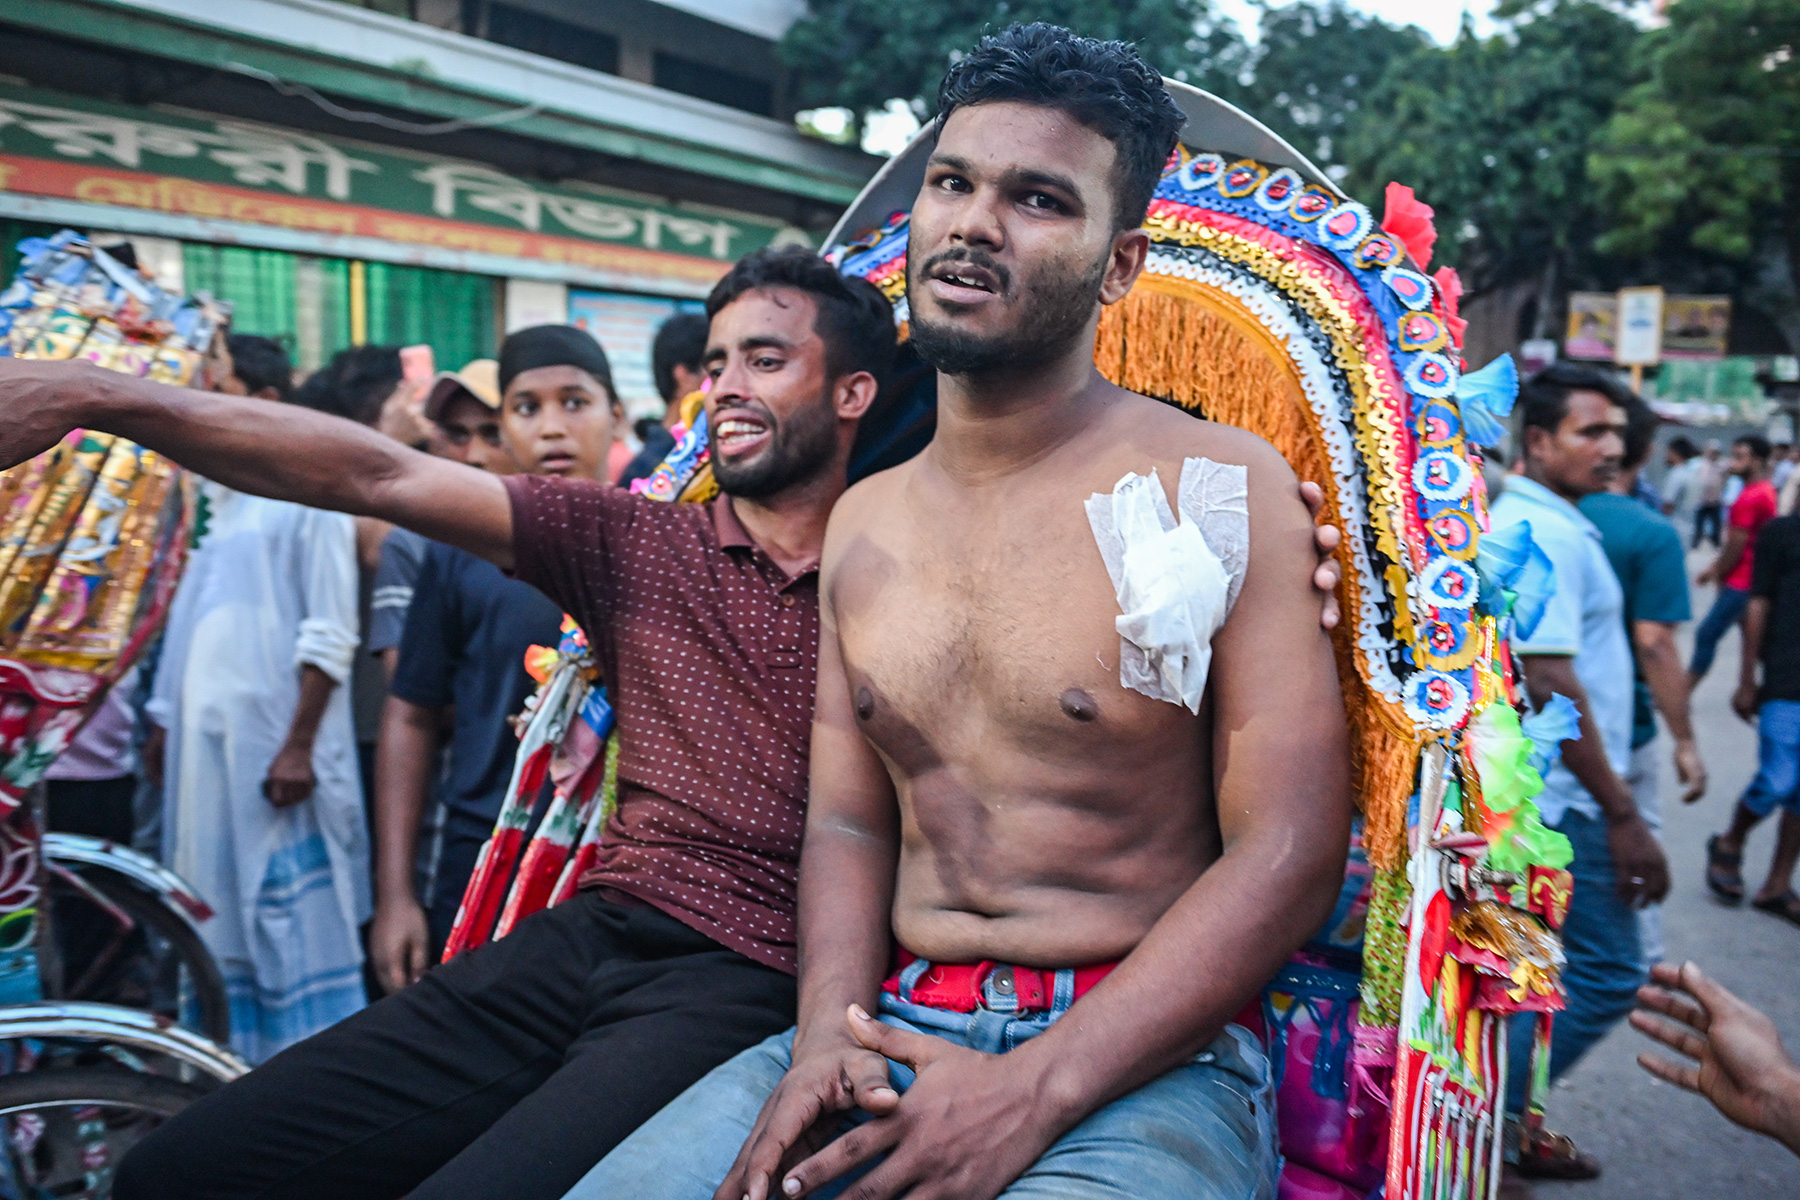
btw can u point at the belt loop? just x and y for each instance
(1062, 994)
(909, 975)
(999, 991)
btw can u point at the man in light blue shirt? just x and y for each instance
(1572, 437)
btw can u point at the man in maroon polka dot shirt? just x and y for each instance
(515, 1068)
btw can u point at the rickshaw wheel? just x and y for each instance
(67, 1128)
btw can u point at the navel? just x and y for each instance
(865, 703)
(1079, 705)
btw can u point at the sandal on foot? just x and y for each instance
(1786, 906)
(1724, 872)
(1547, 1155)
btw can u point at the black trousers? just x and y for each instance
(96, 807)
(506, 1073)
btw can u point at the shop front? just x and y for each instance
(324, 242)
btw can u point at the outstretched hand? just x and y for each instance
(969, 1126)
(1739, 1062)
(1325, 541)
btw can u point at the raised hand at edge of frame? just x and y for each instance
(1739, 1065)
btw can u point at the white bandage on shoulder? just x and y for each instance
(1176, 578)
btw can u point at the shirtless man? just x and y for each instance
(1085, 883)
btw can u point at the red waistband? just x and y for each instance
(958, 988)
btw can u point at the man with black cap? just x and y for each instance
(462, 653)
(559, 413)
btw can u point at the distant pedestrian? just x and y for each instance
(1681, 482)
(1647, 556)
(1709, 513)
(1754, 507)
(1771, 643)
(1781, 464)
(1573, 421)
(1787, 493)
(462, 656)
(263, 807)
(675, 362)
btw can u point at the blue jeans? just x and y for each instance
(1727, 610)
(1605, 964)
(1203, 1131)
(1777, 782)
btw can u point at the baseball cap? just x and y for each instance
(480, 378)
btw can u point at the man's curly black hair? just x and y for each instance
(1106, 86)
(853, 318)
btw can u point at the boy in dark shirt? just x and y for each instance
(462, 655)
(1771, 639)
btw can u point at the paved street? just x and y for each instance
(1657, 1142)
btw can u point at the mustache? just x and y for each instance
(975, 258)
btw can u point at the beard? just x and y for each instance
(1060, 302)
(800, 448)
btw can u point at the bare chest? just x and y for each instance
(959, 630)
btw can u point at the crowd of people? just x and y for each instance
(323, 742)
(332, 690)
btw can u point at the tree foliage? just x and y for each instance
(1494, 133)
(1571, 149)
(1705, 152)
(858, 54)
(1312, 70)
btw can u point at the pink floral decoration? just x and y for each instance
(1408, 219)
(1451, 289)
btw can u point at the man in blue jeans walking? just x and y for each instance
(1572, 437)
(1771, 641)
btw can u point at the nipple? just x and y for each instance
(1079, 705)
(865, 703)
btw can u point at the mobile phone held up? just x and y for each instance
(417, 364)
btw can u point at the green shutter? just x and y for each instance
(259, 284)
(450, 311)
(11, 234)
(321, 309)
(305, 303)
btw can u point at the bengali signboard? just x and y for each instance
(190, 164)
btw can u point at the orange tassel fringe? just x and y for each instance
(1186, 343)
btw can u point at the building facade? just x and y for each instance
(406, 171)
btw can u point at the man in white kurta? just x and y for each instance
(268, 598)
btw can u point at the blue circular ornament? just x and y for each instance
(1346, 225)
(1436, 699)
(1433, 376)
(1412, 288)
(1277, 191)
(1442, 476)
(1448, 583)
